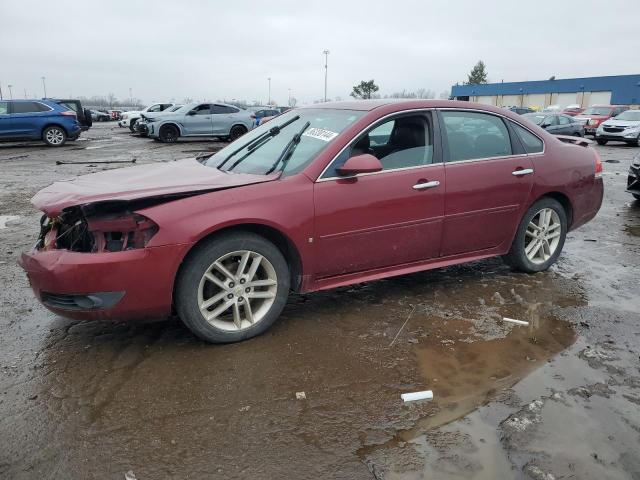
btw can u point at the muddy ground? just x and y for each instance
(557, 399)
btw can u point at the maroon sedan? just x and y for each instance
(320, 197)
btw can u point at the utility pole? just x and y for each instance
(25, 93)
(0, 91)
(269, 102)
(326, 62)
(130, 97)
(10, 92)
(289, 97)
(44, 87)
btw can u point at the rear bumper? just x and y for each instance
(133, 284)
(589, 204)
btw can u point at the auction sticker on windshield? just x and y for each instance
(320, 134)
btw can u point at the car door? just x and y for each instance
(28, 118)
(565, 126)
(6, 126)
(488, 177)
(198, 120)
(551, 124)
(221, 119)
(386, 218)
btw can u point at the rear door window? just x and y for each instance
(474, 135)
(29, 107)
(530, 142)
(4, 108)
(564, 120)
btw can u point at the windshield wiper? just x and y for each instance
(257, 142)
(288, 150)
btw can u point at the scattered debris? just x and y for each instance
(59, 162)
(512, 320)
(244, 409)
(403, 325)
(130, 475)
(301, 396)
(415, 396)
(4, 219)
(15, 157)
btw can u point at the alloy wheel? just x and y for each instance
(542, 236)
(237, 290)
(55, 136)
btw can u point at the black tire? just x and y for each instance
(601, 141)
(169, 134)
(132, 125)
(54, 136)
(236, 132)
(200, 260)
(517, 257)
(636, 196)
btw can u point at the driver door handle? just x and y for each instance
(425, 185)
(523, 171)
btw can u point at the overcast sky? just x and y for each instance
(166, 50)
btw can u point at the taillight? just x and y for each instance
(68, 113)
(598, 172)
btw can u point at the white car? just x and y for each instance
(130, 118)
(624, 127)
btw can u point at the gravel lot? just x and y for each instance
(557, 399)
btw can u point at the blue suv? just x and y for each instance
(37, 120)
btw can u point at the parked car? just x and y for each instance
(557, 123)
(82, 114)
(633, 180)
(141, 126)
(130, 118)
(592, 117)
(624, 127)
(521, 110)
(324, 196)
(261, 113)
(573, 110)
(115, 114)
(37, 120)
(201, 120)
(98, 116)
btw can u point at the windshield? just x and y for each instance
(629, 115)
(597, 111)
(535, 118)
(324, 127)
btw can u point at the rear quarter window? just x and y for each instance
(530, 142)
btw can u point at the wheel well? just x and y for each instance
(281, 241)
(239, 125)
(564, 201)
(170, 124)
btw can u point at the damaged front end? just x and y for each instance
(105, 227)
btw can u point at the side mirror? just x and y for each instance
(545, 125)
(365, 163)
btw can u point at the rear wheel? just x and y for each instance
(232, 287)
(236, 132)
(54, 136)
(540, 237)
(132, 125)
(601, 142)
(169, 134)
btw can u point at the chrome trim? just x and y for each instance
(377, 173)
(425, 185)
(524, 171)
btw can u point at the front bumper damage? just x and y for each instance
(633, 179)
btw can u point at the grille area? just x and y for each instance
(91, 301)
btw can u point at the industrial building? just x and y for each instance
(614, 90)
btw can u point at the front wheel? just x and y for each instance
(601, 142)
(169, 134)
(540, 237)
(54, 136)
(232, 287)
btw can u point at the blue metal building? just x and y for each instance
(616, 90)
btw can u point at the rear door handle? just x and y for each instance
(425, 185)
(524, 171)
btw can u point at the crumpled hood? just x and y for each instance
(143, 181)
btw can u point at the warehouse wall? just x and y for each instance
(542, 100)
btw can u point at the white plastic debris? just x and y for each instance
(415, 396)
(4, 219)
(301, 396)
(130, 475)
(512, 320)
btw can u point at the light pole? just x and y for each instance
(44, 87)
(130, 97)
(0, 91)
(289, 97)
(10, 92)
(326, 61)
(269, 102)
(25, 93)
